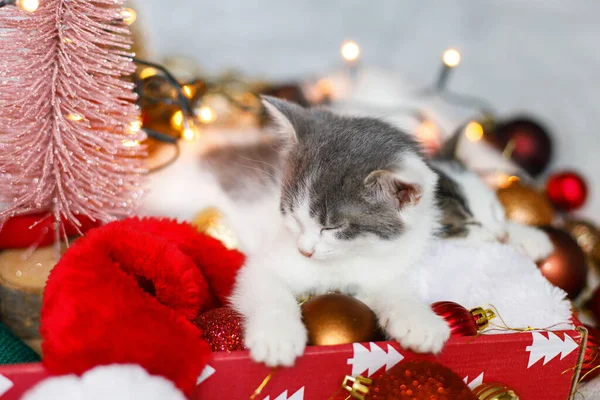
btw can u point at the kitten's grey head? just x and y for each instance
(349, 184)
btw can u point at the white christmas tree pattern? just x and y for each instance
(5, 385)
(206, 373)
(475, 382)
(373, 359)
(549, 347)
(299, 395)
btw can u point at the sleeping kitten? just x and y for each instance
(472, 212)
(358, 210)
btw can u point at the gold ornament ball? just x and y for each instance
(210, 221)
(526, 205)
(494, 391)
(584, 232)
(333, 318)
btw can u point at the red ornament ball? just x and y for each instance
(532, 144)
(222, 329)
(459, 319)
(566, 190)
(419, 380)
(567, 266)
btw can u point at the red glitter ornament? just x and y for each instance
(591, 357)
(566, 190)
(222, 329)
(412, 380)
(462, 322)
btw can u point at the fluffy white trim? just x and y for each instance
(115, 382)
(495, 274)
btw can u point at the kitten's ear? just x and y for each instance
(288, 117)
(385, 186)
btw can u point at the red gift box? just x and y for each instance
(536, 365)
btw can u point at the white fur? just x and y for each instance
(372, 269)
(492, 274)
(488, 210)
(116, 382)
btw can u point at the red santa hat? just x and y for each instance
(126, 293)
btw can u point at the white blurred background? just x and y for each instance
(538, 57)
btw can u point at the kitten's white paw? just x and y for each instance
(533, 242)
(275, 341)
(422, 332)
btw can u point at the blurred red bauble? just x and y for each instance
(222, 329)
(532, 144)
(462, 322)
(566, 267)
(593, 304)
(591, 357)
(566, 190)
(419, 380)
(38, 229)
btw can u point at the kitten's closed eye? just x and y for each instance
(332, 228)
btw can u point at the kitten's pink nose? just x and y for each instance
(503, 238)
(306, 253)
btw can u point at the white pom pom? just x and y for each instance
(116, 382)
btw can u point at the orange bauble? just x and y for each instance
(338, 319)
(526, 205)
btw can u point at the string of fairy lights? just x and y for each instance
(190, 108)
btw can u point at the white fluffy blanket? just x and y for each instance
(492, 274)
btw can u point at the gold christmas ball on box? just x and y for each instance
(334, 318)
(526, 205)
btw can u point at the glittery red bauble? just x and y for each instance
(222, 329)
(532, 144)
(591, 357)
(419, 380)
(566, 190)
(459, 319)
(566, 267)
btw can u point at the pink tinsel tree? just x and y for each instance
(69, 128)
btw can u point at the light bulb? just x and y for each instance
(128, 15)
(135, 126)
(451, 58)
(177, 119)
(504, 180)
(147, 73)
(427, 131)
(188, 90)
(130, 143)
(75, 117)
(189, 134)
(350, 50)
(207, 114)
(474, 131)
(28, 5)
